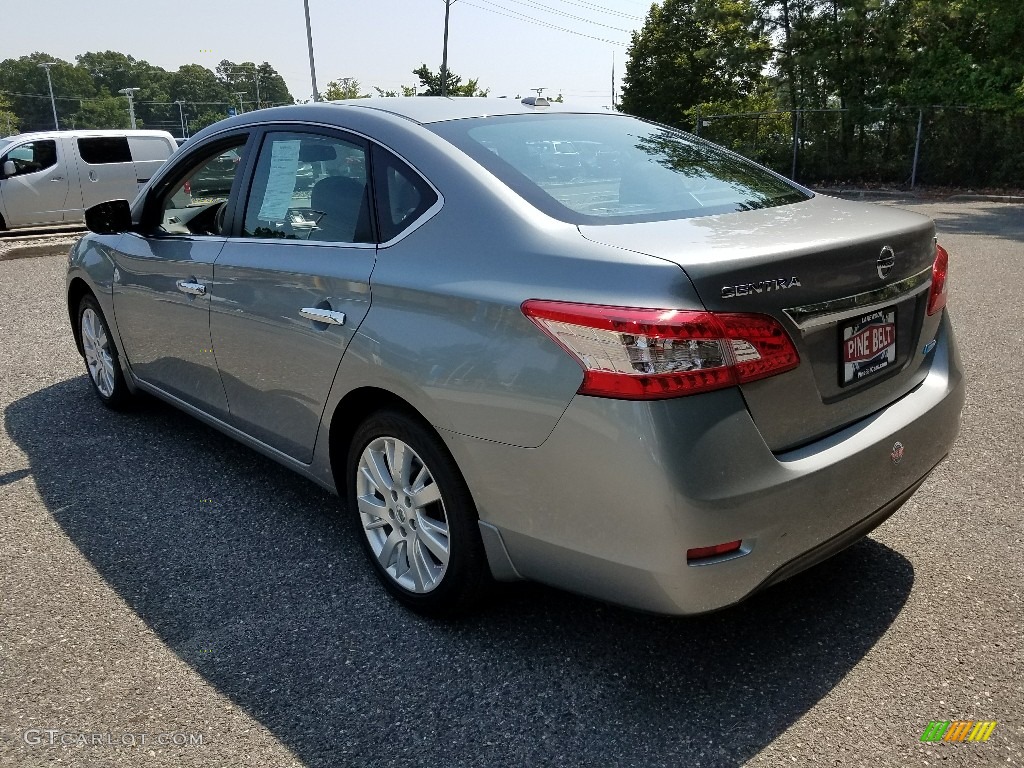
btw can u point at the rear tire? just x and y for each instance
(415, 517)
(101, 359)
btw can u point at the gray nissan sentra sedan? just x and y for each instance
(525, 342)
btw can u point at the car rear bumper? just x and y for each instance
(609, 505)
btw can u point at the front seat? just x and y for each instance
(345, 208)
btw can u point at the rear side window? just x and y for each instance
(310, 186)
(102, 150)
(145, 148)
(615, 169)
(402, 195)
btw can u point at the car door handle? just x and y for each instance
(191, 287)
(323, 315)
(56, 178)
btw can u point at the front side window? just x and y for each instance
(103, 150)
(33, 157)
(614, 169)
(309, 187)
(196, 203)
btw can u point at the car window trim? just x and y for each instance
(423, 219)
(147, 213)
(427, 214)
(260, 137)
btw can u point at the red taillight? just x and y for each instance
(650, 354)
(938, 294)
(700, 553)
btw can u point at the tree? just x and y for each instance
(343, 88)
(8, 120)
(431, 82)
(273, 90)
(261, 85)
(25, 76)
(104, 111)
(406, 90)
(693, 51)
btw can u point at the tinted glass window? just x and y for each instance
(309, 187)
(193, 203)
(611, 169)
(100, 150)
(33, 157)
(402, 195)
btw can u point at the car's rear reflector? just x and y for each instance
(938, 294)
(650, 354)
(702, 553)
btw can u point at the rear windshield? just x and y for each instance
(614, 169)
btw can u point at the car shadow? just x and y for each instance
(252, 577)
(1002, 220)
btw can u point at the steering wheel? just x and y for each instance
(221, 217)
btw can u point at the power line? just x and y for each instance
(549, 9)
(600, 9)
(523, 17)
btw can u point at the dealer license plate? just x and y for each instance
(867, 345)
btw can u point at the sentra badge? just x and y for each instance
(762, 286)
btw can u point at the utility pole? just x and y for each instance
(181, 114)
(309, 41)
(53, 102)
(130, 93)
(240, 94)
(613, 81)
(444, 54)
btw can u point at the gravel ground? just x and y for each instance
(158, 578)
(53, 245)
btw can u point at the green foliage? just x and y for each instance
(343, 88)
(431, 83)
(86, 93)
(260, 85)
(693, 51)
(104, 111)
(8, 120)
(882, 64)
(405, 90)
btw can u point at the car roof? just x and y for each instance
(90, 132)
(436, 109)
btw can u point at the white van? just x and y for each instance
(51, 177)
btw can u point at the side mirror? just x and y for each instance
(110, 218)
(9, 169)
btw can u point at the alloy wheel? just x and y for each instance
(403, 514)
(98, 358)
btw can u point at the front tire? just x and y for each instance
(416, 519)
(100, 353)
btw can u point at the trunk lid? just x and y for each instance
(846, 280)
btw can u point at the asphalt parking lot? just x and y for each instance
(157, 578)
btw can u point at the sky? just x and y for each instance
(511, 46)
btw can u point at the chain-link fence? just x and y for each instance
(941, 146)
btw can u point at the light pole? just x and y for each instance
(130, 93)
(309, 41)
(240, 94)
(53, 102)
(444, 53)
(181, 114)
